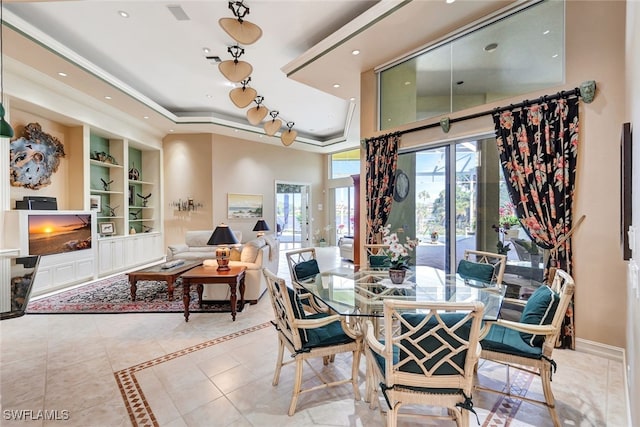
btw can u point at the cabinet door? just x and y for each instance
(118, 255)
(105, 256)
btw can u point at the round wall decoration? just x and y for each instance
(401, 186)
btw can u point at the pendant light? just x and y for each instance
(257, 113)
(234, 70)
(6, 131)
(271, 127)
(243, 96)
(289, 136)
(244, 32)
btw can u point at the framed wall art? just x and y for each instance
(241, 206)
(107, 228)
(95, 203)
(625, 188)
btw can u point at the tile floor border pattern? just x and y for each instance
(137, 406)
(506, 407)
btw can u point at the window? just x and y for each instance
(345, 164)
(521, 53)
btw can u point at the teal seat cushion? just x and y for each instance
(306, 269)
(509, 341)
(324, 336)
(475, 270)
(379, 261)
(539, 310)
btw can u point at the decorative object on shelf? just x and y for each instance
(132, 230)
(399, 253)
(112, 211)
(187, 205)
(132, 195)
(34, 158)
(289, 135)
(134, 174)
(135, 214)
(6, 131)
(105, 184)
(145, 199)
(241, 30)
(147, 229)
(222, 237)
(103, 157)
(107, 228)
(95, 203)
(244, 205)
(261, 226)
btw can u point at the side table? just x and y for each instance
(201, 275)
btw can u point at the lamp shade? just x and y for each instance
(222, 235)
(261, 225)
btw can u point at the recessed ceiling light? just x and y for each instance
(61, 74)
(209, 96)
(407, 83)
(170, 130)
(123, 14)
(355, 52)
(352, 99)
(107, 97)
(206, 50)
(491, 47)
(554, 55)
(145, 117)
(450, 1)
(336, 85)
(546, 32)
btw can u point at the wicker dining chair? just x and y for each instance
(481, 265)
(377, 256)
(309, 335)
(528, 344)
(427, 357)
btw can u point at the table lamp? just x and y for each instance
(222, 237)
(261, 226)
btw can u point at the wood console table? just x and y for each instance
(210, 275)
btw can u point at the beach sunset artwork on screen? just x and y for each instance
(51, 233)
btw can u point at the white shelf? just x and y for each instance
(142, 220)
(110, 217)
(94, 191)
(133, 181)
(104, 164)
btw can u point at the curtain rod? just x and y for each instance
(586, 91)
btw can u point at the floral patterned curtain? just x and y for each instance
(538, 147)
(381, 161)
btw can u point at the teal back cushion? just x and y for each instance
(379, 261)
(306, 269)
(475, 270)
(296, 304)
(432, 345)
(540, 309)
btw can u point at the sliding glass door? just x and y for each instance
(292, 214)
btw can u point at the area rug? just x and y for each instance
(113, 295)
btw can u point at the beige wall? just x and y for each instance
(208, 167)
(595, 51)
(633, 115)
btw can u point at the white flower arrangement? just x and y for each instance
(399, 253)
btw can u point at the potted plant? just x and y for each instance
(399, 253)
(434, 236)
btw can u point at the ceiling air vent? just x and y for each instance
(214, 59)
(178, 12)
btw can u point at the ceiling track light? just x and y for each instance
(234, 70)
(273, 126)
(239, 29)
(243, 96)
(256, 114)
(289, 135)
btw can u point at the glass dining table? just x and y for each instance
(362, 293)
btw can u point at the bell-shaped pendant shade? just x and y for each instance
(288, 137)
(256, 114)
(235, 71)
(272, 126)
(242, 96)
(6, 131)
(244, 32)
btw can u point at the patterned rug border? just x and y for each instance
(137, 406)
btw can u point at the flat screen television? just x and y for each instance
(52, 234)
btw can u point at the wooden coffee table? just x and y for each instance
(158, 273)
(234, 278)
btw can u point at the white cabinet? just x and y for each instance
(111, 255)
(61, 270)
(123, 252)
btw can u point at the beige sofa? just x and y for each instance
(346, 247)
(256, 254)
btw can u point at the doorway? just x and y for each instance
(292, 214)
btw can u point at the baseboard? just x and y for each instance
(598, 349)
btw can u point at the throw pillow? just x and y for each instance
(540, 309)
(306, 269)
(475, 270)
(249, 251)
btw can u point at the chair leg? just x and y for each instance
(355, 371)
(297, 385)
(545, 377)
(276, 374)
(392, 416)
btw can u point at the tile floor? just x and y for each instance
(155, 369)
